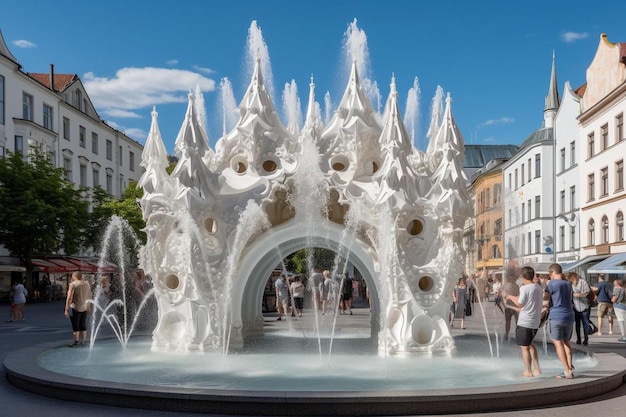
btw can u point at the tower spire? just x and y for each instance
(552, 99)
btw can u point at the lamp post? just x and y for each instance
(572, 221)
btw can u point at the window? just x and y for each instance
(510, 182)
(109, 150)
(591, 145)
(591, 184)
(619, 227)
(120, 155)
(619, 128)
(605, 229)
(83, 175)
(604, 131)
(487, 197)
(529, 176)
(562, 201)
(78, 99)
(529, 208)
(572, 236)
(2, 100)
(516, 182)
(94, 142)
(510, 217)
(524, 250)
(109, 183)
(81, 137)
(497, 194)
(523, 212)
(562, 159)
(572, 198)
(19, 144)
(47, 117)
(619, 175)
(95, 173)
(66, 128)
(572, 153)
(537, 241)
(537, 165)
(605, 181)
(522, 176)
(495, 252)
(122, 185)
(27, 107)
(592, 232)
(562, 237)
(537, 206)
(131, 163)
(67, 165)
(497, 228)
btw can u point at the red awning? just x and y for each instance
(92, 266)
(52, 265)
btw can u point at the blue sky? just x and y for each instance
(493, 56)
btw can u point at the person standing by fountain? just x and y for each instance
(582, 309)
(317, 279)
(282, 296)
(619, 306)
(297, 292)
(460, 297)
(77, 307)
(512, 288)
(561, 318)
(346, 294)
(325, 288)
(530, 302)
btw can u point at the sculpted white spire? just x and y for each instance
(153, 158)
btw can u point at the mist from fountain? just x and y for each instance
(228, 105)
(412, 111)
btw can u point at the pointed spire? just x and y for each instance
(552, 99)
(153, 158)
(4, 50)
(310, 111)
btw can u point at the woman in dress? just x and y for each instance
(459, 297)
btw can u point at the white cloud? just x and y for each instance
(569, 37)
(500, 121)
(138, 88)
(202, 69)
(123, 114)
(137, 134)
(23, 43)
(172, 62)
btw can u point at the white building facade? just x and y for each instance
(602, 154)
(54, 112)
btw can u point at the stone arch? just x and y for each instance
(265, 253)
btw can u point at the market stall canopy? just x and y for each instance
(567, 267)
(92, 266)
(615, 264)
(54, 265)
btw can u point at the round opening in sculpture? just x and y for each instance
(239, 164)
(339, 163)
(371, 166)
(171, 282)
(270, 166)
(210, 225)
(426, 283)
(415, 227)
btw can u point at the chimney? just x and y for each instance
(52, 77)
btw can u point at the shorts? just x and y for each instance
(605, 309)
(79, 321)
(560, 330)
(620, 314)
(524, 336)
(298, 302)
(346, 296)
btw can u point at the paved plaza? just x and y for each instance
(45, 323)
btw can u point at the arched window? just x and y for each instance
(592, 233)
(495, 252)
(619, 227)
(605, 229)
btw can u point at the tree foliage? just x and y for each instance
(40, 210)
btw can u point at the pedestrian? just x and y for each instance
(604, 290)
(561, 318)
(297, 292)
(19, 300)
(619, 306)
(316, 278)
(530, 302)
(282, 296)
(325, 289)
(582, 309)
(77, 306)
(346, 295)
(510, 287)
(460, 297)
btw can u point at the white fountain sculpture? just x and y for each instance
(222, 220)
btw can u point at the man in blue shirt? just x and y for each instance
(561, 318)
(605, 307)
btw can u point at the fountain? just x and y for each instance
(224, 219)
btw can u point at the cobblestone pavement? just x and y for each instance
(45, 323)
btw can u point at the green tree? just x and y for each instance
(40, 210)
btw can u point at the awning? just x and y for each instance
(573, 265)
(92, 266)
(540, 267)
(54, 265)
(615, 264)
(11, 268)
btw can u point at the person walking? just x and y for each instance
(282, 296)
(77, 306)
(325, 290)
(297, 292)
(346, 295)
(510, 287)
(582, 309)
(19, 300)
(561, 318)
(605, 307)
(619, 306)
(460, 297)
(317, 279)
(530, 302)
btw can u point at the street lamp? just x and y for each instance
(572, 221)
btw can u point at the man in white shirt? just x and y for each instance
(530, 302)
